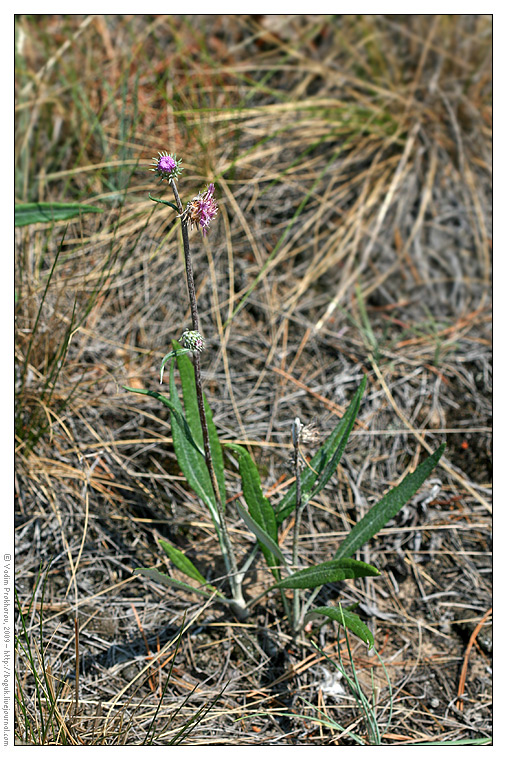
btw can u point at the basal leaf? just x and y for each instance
(380, 514)
(325, 461)
(259, 507)
(261, 534)
(166, 580)
(182, 562)
(349, 619)
(339, 441)
(328, 572)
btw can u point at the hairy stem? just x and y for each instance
(229, 557)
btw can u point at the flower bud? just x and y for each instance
(193, 340)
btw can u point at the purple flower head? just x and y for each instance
(166, 166)
(202, 209)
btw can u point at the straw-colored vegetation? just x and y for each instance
(352, 160)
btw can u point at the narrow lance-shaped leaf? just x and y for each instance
(33, 213)
(345, 617)
(259, 506)
(192, 464)
(155, 575)
(176, 413)
(324, 463)
(182, 562)
(380, 514)
(187, 375)
(339, 442)
(166, 203)
(328, 572)
(166, 580)
(261, 534)
(166, 359)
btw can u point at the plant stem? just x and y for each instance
(296, 429)
(229, 557)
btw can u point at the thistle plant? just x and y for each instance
(201, 458)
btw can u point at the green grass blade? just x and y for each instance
(325, 461)
(194, 721)
(345, 617)
(369, 711)
(32, 213)
(454, 743)
(173, 659)
(186, 370)
(39, 312)
(259, 506)
(387, 507)
(27, 651)
(327, 722)
(328, 572)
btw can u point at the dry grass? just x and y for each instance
(352, 159)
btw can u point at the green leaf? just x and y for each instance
(261, 534)
(186, 370)
(325, 461)
(387, 507)
(166, 203)
(166, 359)
(338, 440)
(259, 507)
(166, 580)
(32, 213)
(176, 412)
(184, 564)
(193, 464)
(345, 617)
(328, 572)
